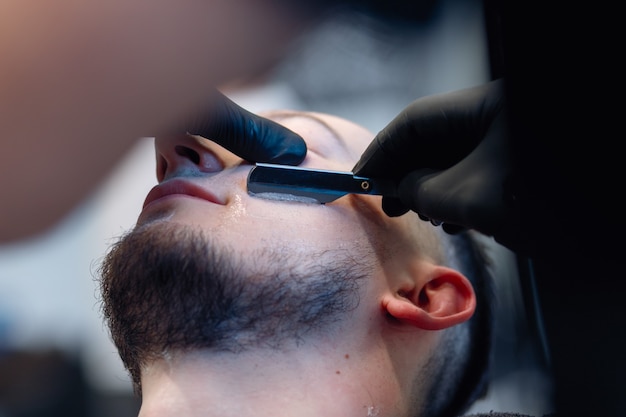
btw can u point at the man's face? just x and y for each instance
(192, 165)
(210, 267)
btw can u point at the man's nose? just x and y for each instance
(185, 155)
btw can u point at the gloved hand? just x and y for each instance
(451, 156)
(251, 137)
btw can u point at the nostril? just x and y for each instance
(189, 153)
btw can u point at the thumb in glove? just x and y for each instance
(251, 137)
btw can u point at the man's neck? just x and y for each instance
(302, 382)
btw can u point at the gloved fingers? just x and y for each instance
(432, 132)
(393, 207)
(397, 206)
(421, 216)
(460, 197)
(252, 137)
(452, 229)
(425, 196)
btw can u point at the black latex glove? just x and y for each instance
(450, 155)
(247, 135)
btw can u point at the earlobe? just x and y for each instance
(443, 300)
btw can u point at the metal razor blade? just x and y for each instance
(306, 184)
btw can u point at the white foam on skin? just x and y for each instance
(286, 197)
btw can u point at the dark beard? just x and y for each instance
(168, 288)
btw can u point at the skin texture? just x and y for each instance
(81, 81)
(361, 360)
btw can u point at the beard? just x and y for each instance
(169, 288)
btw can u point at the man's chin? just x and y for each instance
(167, 287)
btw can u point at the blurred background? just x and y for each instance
(56, 358)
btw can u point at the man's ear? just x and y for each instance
(442, 299)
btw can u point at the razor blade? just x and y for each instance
(306, 184)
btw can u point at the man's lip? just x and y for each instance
(182, 187)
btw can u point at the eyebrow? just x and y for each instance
(285, 114)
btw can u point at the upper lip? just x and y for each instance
(179, 186)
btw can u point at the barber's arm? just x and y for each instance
(451, 154)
